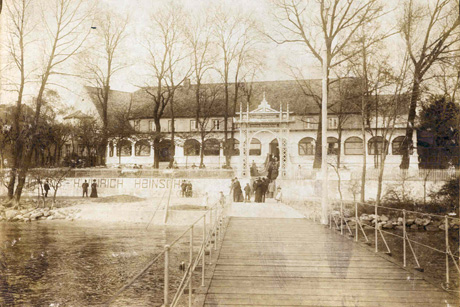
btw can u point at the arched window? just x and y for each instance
(232, 143)
(142, 148)
(353, 146)
(255, 148)
(110, 149)
(396, 145)
(211, 147)
(124, 148)
(376, 144)
(165, 150)
(332, 146)
(192, 147)
(307, 147)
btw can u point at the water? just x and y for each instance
(76, 264)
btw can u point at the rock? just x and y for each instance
(410, 222)
(399, 227)
(58, 216)
(384, 218)
(420, 222)
(387, 225)
(432, 228)
(50, 217)
(400, 220)
(414, 227)
(365, 217)
(9, 214)
(46, 213)
(24, 211)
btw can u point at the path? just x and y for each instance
(290, 261)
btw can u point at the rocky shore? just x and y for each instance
(37, 214)
(426, 223)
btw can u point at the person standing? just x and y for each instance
(279, 195)
(46, 187)
(85, 187)
(271, 189)
(93, 189)
(259, 189)
(264, 188)
(237, 192)
(247, 193)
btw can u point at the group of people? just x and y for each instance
(261, 188)
(85, 187)
(186, 188)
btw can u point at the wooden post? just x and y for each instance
(404, 236)
(446, 223)
(166, 277)
(356, 222)
(190, 289)
(204, 251)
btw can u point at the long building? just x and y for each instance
(277, 118)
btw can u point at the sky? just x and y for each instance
(277, 57)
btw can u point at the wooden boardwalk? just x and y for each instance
(294, 262)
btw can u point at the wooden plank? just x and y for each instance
(293, 262)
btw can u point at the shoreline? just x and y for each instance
(113, 210)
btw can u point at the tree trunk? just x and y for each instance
(227, 156)
(407, 142)
(172, 148)
(318, 147)
(364, 167)
(202, 150)
(339, 147)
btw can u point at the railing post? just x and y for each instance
(446, 223)
(404, 237)
(203, 262)
(376, 225)
(191, 269)
(341, 218)
(215, 231)
(356, 222)
(166, 278)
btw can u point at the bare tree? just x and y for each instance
(19, 12)
(164, 46)
(429, 30)
(63, 37)
(337, 24)
(236, 38)
(111, 33)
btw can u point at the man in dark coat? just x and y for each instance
(259, 190)
(247, 192)
(85, 187)
(264, 185)
(46, 186)
(237, 192)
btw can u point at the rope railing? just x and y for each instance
(407, 242)
(213, 218)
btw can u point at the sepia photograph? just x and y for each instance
(230, 153)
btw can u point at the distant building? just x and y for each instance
(278, 118)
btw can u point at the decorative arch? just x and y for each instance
(192, 147)
(332, 146)
(353, 146)
(125, 148)
(307, 146)
(255, 147)
(211, 147)
(142, 148)
(165, 150)
(232, 143)
(396, 145)
(376, 144)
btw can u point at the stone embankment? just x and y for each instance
(425, 223)
(36, 214)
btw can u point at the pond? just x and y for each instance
(60, 263)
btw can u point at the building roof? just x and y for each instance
(77, 115)
(302, 96)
